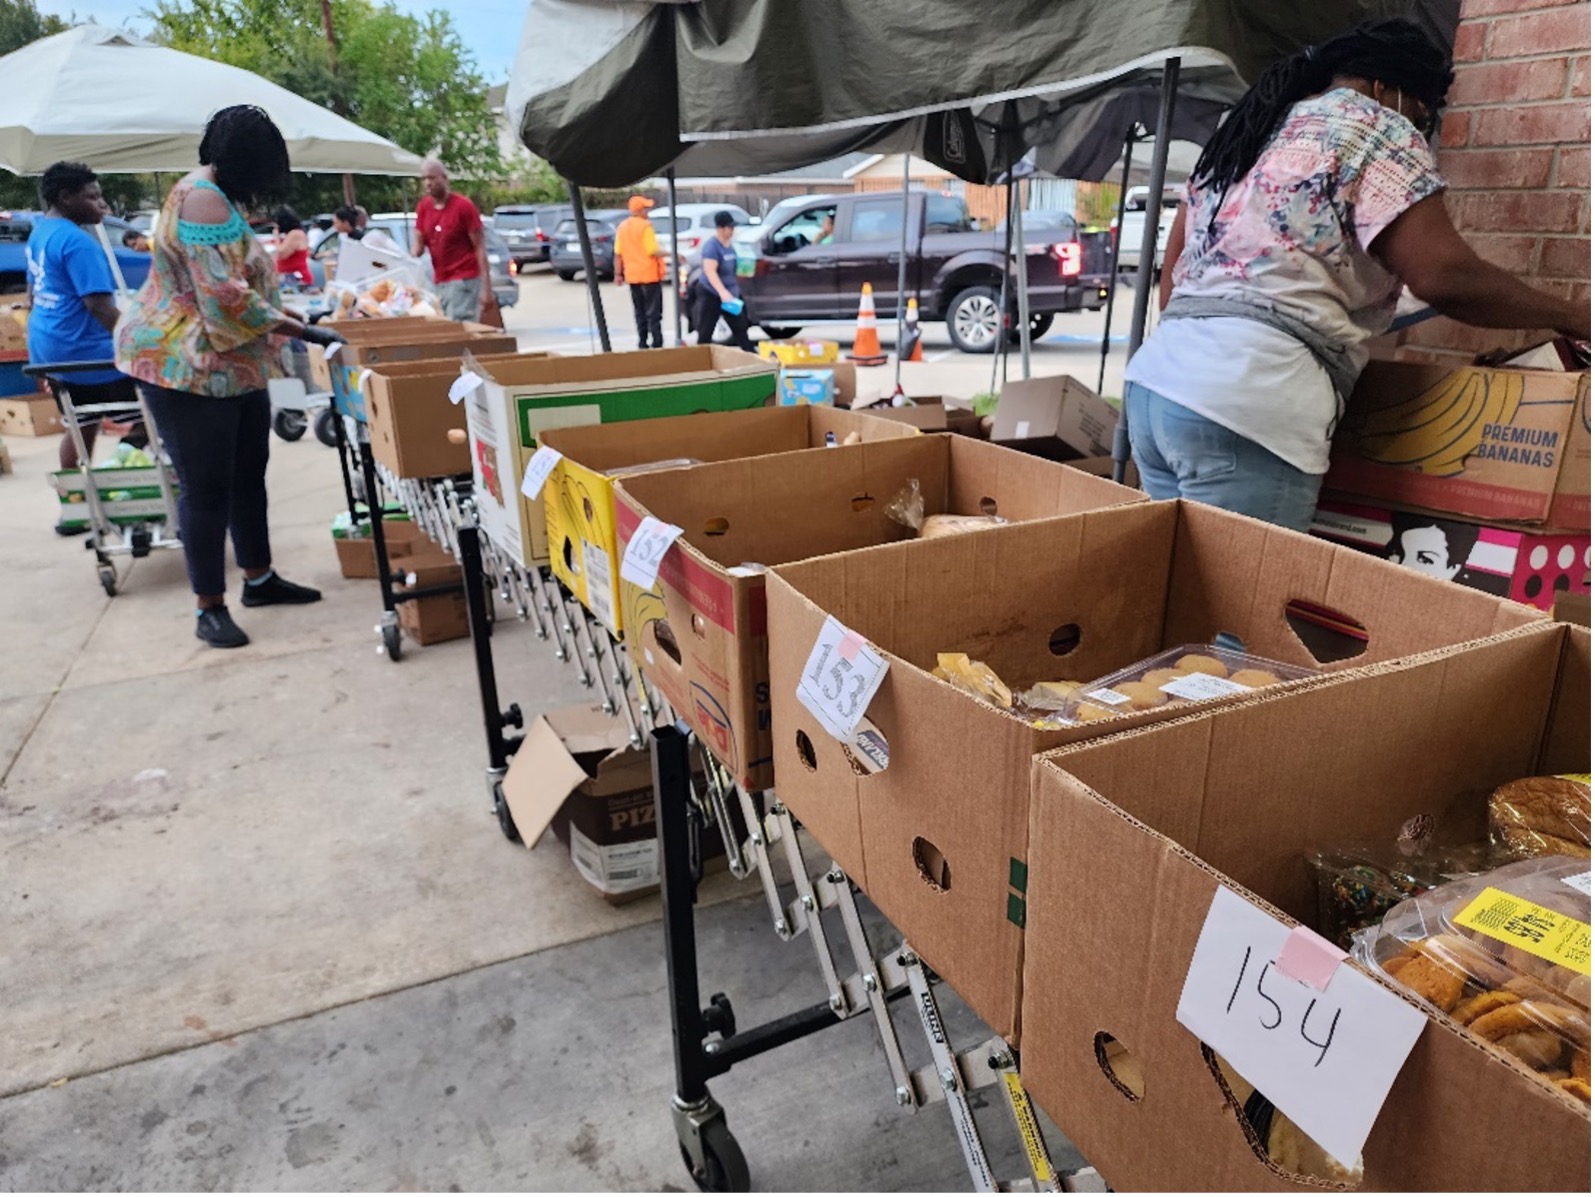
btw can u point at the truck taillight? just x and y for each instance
(1069, 257)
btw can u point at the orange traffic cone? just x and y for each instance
(913, 347)
(867, 341)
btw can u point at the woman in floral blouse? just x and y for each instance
(199, 340)
(1307, 211)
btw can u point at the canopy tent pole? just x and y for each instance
(675, 252)
(1113, 273)
(999, 350)
(1143, 274)
(593, 294)
(1023, 282)
(902, 283)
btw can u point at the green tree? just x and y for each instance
(21, 22)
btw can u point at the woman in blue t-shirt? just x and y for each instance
(74, 305)
(721, 295)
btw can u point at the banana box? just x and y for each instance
(512, 403)
(800, 353)
(1489, 444)
(579, 495)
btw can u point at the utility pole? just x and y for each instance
(337, 96)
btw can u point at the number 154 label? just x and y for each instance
(840, 678)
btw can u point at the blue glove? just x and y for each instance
(732, 306)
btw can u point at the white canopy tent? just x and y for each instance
(123, 105)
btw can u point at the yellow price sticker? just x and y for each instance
(1518, 922)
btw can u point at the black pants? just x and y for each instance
(219, 447)
(648, 306)
(709, 314)
(93, 394)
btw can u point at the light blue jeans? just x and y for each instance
(1184, 455)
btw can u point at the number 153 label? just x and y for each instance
(840, 678)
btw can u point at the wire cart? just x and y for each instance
(130, 511)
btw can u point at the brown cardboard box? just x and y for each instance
(410, 416)
(1131, 836)
(1494, 445)
(357, 556)
(925, 413)
(1059, 599)
(27, 415)
(370, 343)
(712, 663)
(577, 773)
(13, 336)
(1055, 416)
(439, 617)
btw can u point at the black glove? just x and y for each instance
(317, 334)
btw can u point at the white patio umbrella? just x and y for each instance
(123, 105)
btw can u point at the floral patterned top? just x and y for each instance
(1295, 232)
(201, 321)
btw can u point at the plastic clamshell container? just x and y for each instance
(1191, 673)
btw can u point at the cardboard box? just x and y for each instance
(32, 415)
(410, 416)
(439, 617)
(705, 646)
(800, 352)
(1131, 836)
(389, 342)
(518, 401)
(357, 556)
(1493, 445)
(13, 334)
(1052, 600)
(926, 413)
(1057, 417)
(814, 386)
(577, 773)
(579, 497)
(1522, 565)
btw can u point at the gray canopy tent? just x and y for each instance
(609, 92)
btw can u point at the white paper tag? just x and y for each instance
(330, 352)
(1198, 687)
(600, 583)
(1579, 881)
(645, 553)
(537, 471)
(462, 386)
(365, 377)
(840, 678)
(1112, 697)
(1327, 1060)
(1021, 430)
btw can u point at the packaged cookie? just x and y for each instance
(1188, 674)
(1505, 954)
(1542, 816)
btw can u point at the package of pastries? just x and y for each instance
(1505, 954)
(1542, 816)
(1189, 673)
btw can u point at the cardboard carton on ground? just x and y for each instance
(925, 412)
(705, 646)
(13, 336)
(357, 555)
(410, 415)
(1063, 599)
(1131, 837)
(437, 617)
(518, 401)
(1496, 445)
(1523, 565)
(579, 497)
(29, 415)
(1056, 416)
(577, 773)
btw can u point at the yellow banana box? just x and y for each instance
(579, 495)
(1490, 444)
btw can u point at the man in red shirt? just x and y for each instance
(449, 227)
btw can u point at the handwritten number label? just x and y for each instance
(538, 469)
(646, 551)
(1325, 1058)
(840, 678)
(462, 386)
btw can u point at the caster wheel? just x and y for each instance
(390, 641)
(108, 580)
(290, 425)
(506, 821)
(326, 430)
(725, 1168)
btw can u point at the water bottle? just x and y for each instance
(830, 440)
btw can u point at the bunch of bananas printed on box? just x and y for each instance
(1438, 429)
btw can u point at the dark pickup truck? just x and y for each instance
(791, 274)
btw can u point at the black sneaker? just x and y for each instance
(277, 589)
(217, 629)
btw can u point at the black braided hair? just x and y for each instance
(248, 154)
(1396, 52)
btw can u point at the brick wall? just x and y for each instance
(1515, 150)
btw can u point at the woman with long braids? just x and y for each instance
(1313, 203)
(198, 340)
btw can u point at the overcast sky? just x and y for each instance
(490, 28)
